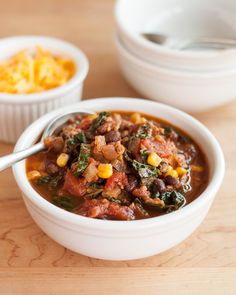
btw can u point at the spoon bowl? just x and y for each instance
(206, 43)
(57, 122)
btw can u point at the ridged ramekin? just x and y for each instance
(17, 111)
(123, 240)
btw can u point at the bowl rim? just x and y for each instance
(80, 74)
(168, 71)
(158, 49)
(109, 225)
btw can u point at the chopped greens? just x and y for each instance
(168, 130)
(51, 180)
(145, 170)
(76, 139)
(139, 208)
(65, 202)
(93, 195)
(94, 185)
(127, 157)
(43, 180)
(173, 200)
(98, 121)
(55, 180)
(144, 154)
(144, 131)
(111, 199)
(82, 162)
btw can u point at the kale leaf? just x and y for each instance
(98, 121)
(76, 139)
(55, 181)
(145, 170)
(93, 195)
(65, 202)
(82, 162)
(144, 131)
(94, 185)
(51, 180)
(173, 200)
(43, 180)
(144, 154)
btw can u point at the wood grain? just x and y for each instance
(102, 280)
(29, 260)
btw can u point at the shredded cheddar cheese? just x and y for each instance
(26, 73)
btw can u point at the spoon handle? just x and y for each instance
(11, 159)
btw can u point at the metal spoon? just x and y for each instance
(183, 44)
(9, 160)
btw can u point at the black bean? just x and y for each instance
(89, 135)
(112, 136)
(170, 180)
(52, 168)
(160, 185)
(173, 136)
(132, 183)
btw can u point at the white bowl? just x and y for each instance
(179, 19)
(17, 111)
(189, 91)
(119, 240)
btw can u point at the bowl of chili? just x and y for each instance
(121, 185)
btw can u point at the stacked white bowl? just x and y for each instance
(191, 80)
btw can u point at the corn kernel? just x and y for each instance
(34, 174)
(142, 121)
(94, 116)
(62, 160)
(181, 171)
(159, 138)
(153, 159)
(170, 168)
(105, 170)
(135, 118)
(196, 168)
(172, 173)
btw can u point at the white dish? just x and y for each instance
(17, 111)
(189, 91)
(122, 240)
(179, 19)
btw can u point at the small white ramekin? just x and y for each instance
(186, 90)
(17, 111)
(122, 240)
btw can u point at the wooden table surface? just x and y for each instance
(31, 263)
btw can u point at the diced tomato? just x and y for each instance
(75, 186)
(164, 148)
(85, 123)
(147, 144)
(141, 192)
(104, 209)
(117, 179)
(92, 160)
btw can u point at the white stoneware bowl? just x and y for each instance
(181, 19)
(17, 111)
(122, 240)
(189, 91)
